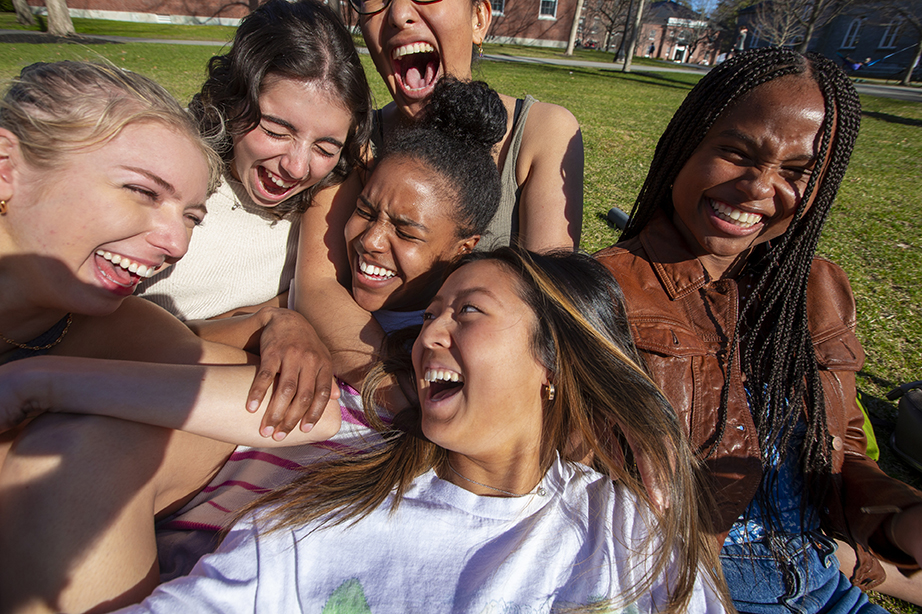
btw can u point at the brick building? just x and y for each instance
(671, 31)
(214, 12)
(542, 23)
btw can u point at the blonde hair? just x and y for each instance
(62, 107)
(607, 409)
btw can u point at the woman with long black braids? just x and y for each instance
(751, 336)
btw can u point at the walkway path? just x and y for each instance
(898, 92)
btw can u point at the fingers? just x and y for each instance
(286, 406)
(323, 388)
(300, 395)
(265, 377)
(298, 367)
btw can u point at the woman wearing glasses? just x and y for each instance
(414, 44)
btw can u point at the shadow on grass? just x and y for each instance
(883, 418)
(43, 38)
(650, 78)
(616, 232)
(892, 119)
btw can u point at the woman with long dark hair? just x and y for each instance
(474, 499)
(751, 336)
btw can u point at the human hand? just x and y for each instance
(293, 358)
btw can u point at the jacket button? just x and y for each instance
(837, 444)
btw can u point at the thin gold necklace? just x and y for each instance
(47, 346)
(538, 491)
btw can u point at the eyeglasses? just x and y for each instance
(370, 7)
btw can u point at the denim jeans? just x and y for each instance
(813, 582)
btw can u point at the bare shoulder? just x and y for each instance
(551, 116)
(321, 250)
(551, 132)
(140, 330)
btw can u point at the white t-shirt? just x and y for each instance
(445, 549)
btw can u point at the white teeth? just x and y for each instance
(376, 271)
(439, 375)
(730, 214)
(277, 180)
(140, 269)
(399, 52)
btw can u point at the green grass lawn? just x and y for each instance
(125, 28)
(873, 232)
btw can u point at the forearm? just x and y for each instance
(280, 301)
(201, 399)
(240, 331)
(322, 276)
(351, 334)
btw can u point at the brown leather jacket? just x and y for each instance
(681, 323)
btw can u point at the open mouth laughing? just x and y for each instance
(274, 185)
(376, 273)
(443, 383)
(121, 270)
(733, 215)
(416, 66)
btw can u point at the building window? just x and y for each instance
(499, 6)
(851, 36)
(548, 9)
(891, 34)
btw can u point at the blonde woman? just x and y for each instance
(103, 177)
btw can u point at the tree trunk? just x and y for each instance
(907, 76)
(634, 36)
(574, 27)
(59, 22)
(627, 25)
(23, 13)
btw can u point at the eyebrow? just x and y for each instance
(736, 134)
(397, 220)
(163, 183)
(465, 293)
(477, 290)
(289, 126)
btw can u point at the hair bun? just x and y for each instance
(469, 111)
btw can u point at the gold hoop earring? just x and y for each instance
(480, 50)
(2, 207)
(551, 392)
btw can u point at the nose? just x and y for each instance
(171, 234)
(436, 332)
(374, 239)
(296, 161)
(757, 183)
(401, 12)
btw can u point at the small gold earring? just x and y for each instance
(551, 392)
(2, 207)
(480, 49)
